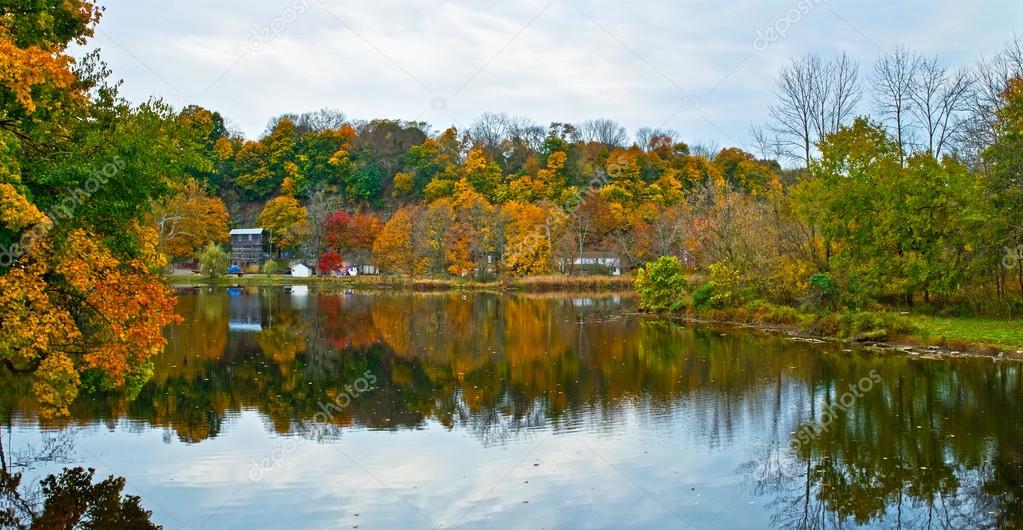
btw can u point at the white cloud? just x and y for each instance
(630, 61)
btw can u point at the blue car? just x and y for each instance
(234, 269)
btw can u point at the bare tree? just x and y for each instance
(990, 82)
(836, 92)
(793, 112)
(766, 145)
(322, 203)
(708, 150)
(940, 99)
(894, 75)
(488, 131)
(815, 98)
(526, 132)
(648, 138)
(603, 131)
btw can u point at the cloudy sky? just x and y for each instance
(705, 68)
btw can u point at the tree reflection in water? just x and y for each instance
(69, 499)
(936, 443)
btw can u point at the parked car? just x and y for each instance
(234, 269)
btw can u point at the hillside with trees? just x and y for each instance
(895, 184)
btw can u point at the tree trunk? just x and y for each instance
(1019, 271)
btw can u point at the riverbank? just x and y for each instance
(877, 329)
(552, 283)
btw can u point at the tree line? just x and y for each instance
(899, 182)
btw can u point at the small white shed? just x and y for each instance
(299, 270)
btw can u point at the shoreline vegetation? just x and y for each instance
(914, 334)
(664, 288)
(546, 283)
(888, 330)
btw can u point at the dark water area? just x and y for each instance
(289, 408)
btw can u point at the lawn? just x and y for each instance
(1005, 334)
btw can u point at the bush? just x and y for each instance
(876, 325)
(766, 313)
(728, 288)
(661, 284)
(823, 292)
(703, 295)
(213, 261)
(270, 267)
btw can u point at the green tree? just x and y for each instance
(213, 261)
(661, 284)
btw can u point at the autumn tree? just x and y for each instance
(474, 238)
(528, 248)
(889, 229)
(80, 296)
(815, 96)
(188, 220)
(1005, 160)
(286, 219)
(398, 246)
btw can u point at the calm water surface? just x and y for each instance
(285, 408)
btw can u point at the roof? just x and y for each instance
(246, 231)
(595, 255)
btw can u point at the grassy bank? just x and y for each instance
(976, 335)
(968, 333)
(531, 284)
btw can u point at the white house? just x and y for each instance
(299, 270)
(591, 262)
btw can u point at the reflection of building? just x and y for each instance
(592, 263)
(246, 311)
(248, 246)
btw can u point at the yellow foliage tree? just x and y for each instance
(285, 218)
(527, 240)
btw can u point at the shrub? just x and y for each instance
(661, 284)
(823, 292)
(270, 267)
(878, 325)
(703, 295)
(767, 313)
(727, 281)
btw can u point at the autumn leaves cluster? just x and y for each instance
(81, 301)
(502, 196)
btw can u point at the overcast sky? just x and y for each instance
(703, 68)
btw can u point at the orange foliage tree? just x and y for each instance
(397, 247)
(188, 220)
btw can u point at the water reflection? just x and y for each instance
(933, 444)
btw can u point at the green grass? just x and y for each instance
(999, 333)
